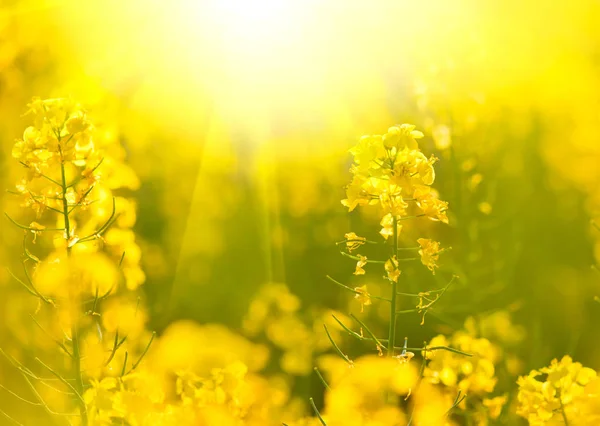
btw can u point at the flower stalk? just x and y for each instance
(392, 329)
(73, 299)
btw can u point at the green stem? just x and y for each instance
(76, 352)
(392, 330)
(562, 411)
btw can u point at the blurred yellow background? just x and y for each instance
(237, 117)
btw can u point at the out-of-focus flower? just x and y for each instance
(565, 389)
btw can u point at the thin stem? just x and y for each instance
(78, 394)
(314, 407)
(58, 342)
(16, 395)
(11, 419)
(355, 241)
(76, 350)
(418, 385)
(392, 330)
(411, 217)
(358, 258)
(562, 411)
(355, 291)
(103, 228)
(320, 376)
(406, 311)
(459, 398)
(143, 353)
(29, 228)
(337, 348)
(116, 345)
(32, 290)
(369, 332)
(354, 333)
(440, 348)
(124, 364)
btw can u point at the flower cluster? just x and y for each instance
(473, 376)
(86, 268)
(195, 374)
(565, 392)
(73, 170)
(362, 394)
(275, 312)
(390, 170)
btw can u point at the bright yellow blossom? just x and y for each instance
(353, 241)
(363, 296)
(559, 391)
(430, 253)
(359, 265)
(387, 224)
(391, 267)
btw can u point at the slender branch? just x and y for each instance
(124, 364)
(337, 348)
(10, 419)
(29, 228)
(368, 330)
(358, 258)
(82, 199)
(353, 333)
(355, 291)
(78, 179)
(440, 348)
(16, 395)
(143, 353)
(320, 376)
(456, 402)
(314, 407)
(58, 342)
(417, 386)
(338, 243)
(63, 380)
(32, 290)
(406, 311)
(103, 228)
(42, 174)
(26, 375)
(411, 217)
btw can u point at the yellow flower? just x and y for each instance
(359, 265)
(485, 207)
(36, 229)
(388, 226)
(429, 252)
(402, 136)
(472, 375)
(356, 194)
(564, 389)
(368, 149)
(391, 267)
(368, 393)
(363, 297)
(353, 241)
(494, 405)
(433, 208)
(392, 202)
